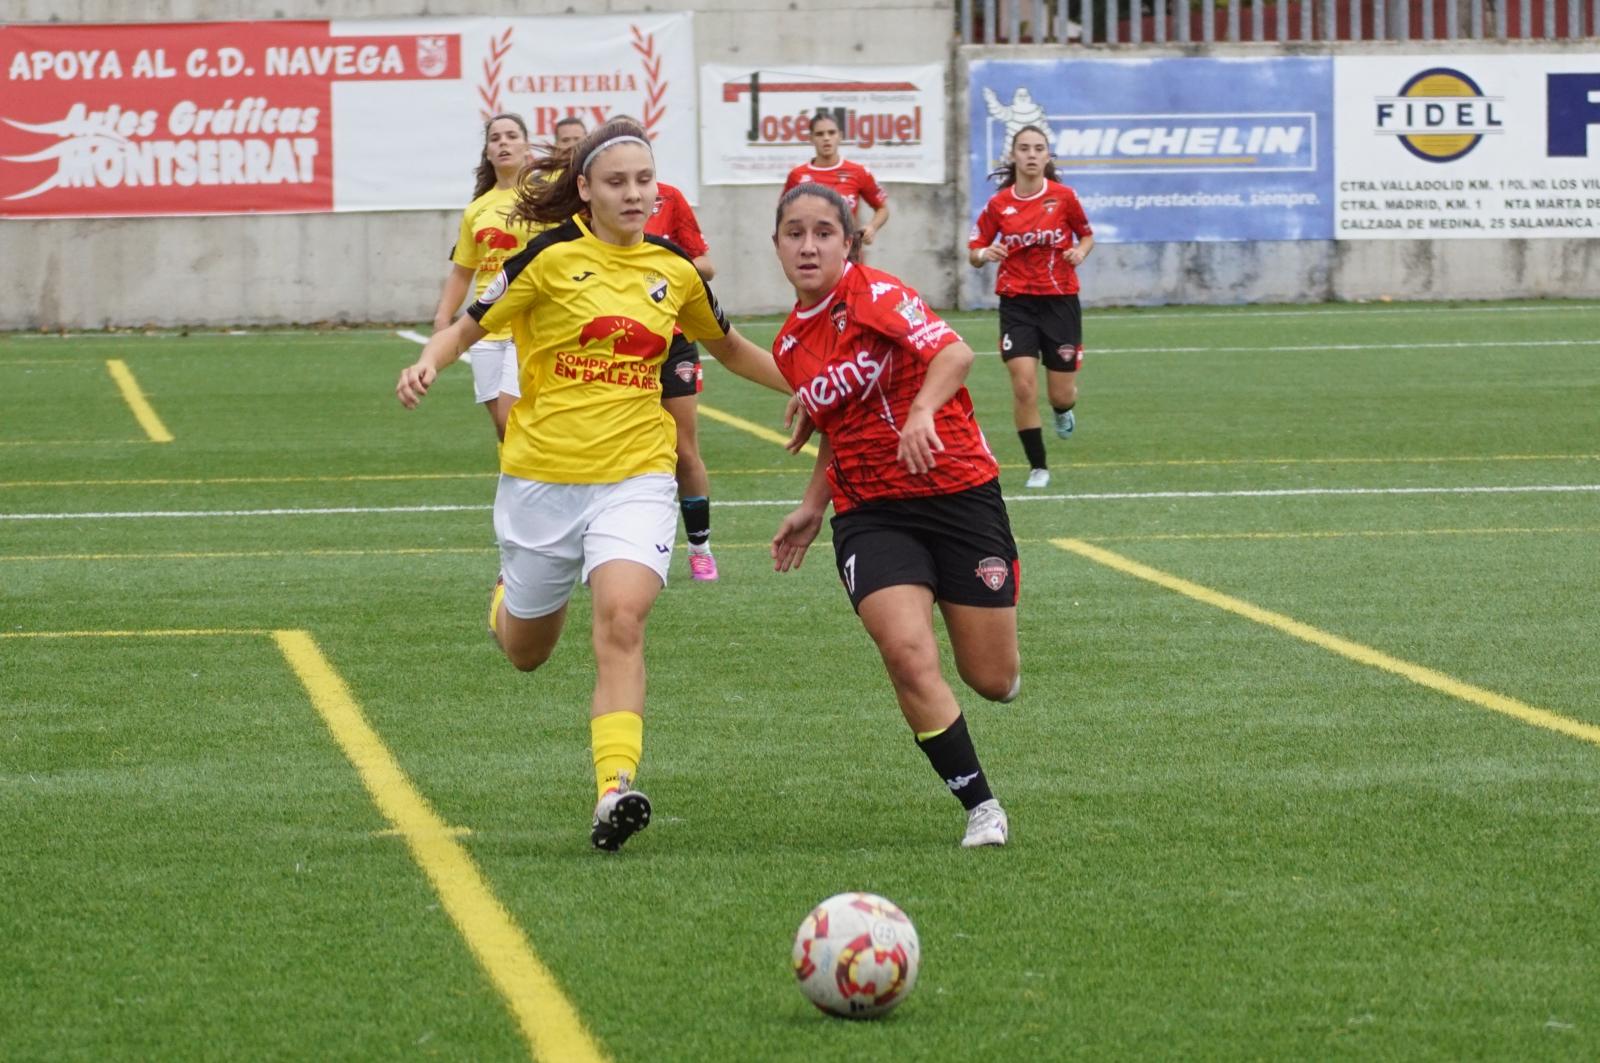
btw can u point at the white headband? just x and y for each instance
(626, 138)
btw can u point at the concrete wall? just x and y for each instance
(1294, 271)
(299, 268)
(278, 269)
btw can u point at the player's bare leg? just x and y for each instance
(526, 643)
(900, 621)
(1024, 372)
(1062, 390)
(623, 592)
(984, 641)
(694, 486)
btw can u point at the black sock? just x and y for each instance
(1061, 409)
(952, 756)
(696, 519)
(1033, 446)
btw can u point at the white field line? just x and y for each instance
(1108, 316)
(1106, 496)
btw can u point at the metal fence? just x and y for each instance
(1087, 22)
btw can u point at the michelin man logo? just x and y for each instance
(1023, 111)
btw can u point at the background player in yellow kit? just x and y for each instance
(487, 240)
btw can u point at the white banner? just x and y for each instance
(1474, 146)
(755, 122)
(401, 147)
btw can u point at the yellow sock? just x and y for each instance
(618, 739)
(495, 598)
(923, 736)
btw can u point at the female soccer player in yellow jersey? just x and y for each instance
(487, 240)
(586, 485)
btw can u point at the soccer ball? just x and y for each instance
(856, 955)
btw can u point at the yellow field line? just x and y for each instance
(1355, 651)
(754, 429)
(133, 395)
(547, 1019)
(156, 633)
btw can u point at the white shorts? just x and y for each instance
(494, 369)
(551, 534)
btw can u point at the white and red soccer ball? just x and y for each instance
(856, 955)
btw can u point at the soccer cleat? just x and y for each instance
(496, 596)
(1039, 478)
(619, 815)
(702, 567)
(986, 825)
(1065, 423)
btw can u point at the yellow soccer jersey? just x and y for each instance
(489, 239)
(591, 409)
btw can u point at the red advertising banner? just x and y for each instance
(186, 118)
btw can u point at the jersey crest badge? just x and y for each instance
(495, 288)
(994, 572)
(685, 371)
(1049, 206)
(840, 315)
(911, 309)
(656, 285)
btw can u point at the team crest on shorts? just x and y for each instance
(840, 315)
(656, 285)
(685, 371)
(994, 572)
(1068, 352)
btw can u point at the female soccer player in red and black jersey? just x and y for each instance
(1029, 228)
(918, 516)
(853, 181)
(673, 218)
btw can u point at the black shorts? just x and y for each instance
(959, 546)
(1047, 326)
(680, 373)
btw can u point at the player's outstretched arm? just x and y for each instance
(799, 529)
(919, 440)
(441, 349)
(748, 360)
(880, 218)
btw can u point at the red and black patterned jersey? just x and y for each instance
(851, 180)
(856, 360)
(1037, 231)
(673, 218)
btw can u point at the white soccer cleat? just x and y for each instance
(619, 815)
(1065, 423)
(1039, 478)
(986, 825)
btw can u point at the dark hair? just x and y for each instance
(825, 115)
(569, 120)
(547, 192)
(486, 177)
(1007, 173)
(847, 222)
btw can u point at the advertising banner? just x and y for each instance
(1163, 150)
(306, 116)
(1467, 146)
(755, 123)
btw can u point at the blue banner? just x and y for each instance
(1164, 150)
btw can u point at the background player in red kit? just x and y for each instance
(853, 181)
(918, 516)
(673, 218)
(1029, 227)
